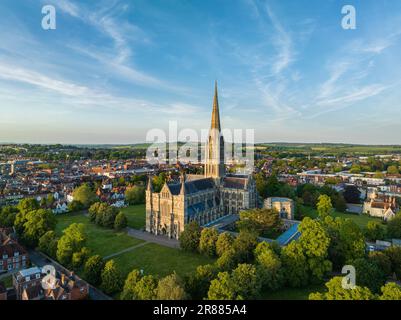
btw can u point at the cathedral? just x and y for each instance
(202, 198)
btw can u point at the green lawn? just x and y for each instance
(136, 216)
(101, 241)
(159, 260)
(361, 220)
(293, 293)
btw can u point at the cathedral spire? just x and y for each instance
(216, 113)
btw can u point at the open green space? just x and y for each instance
(159, 260)
(8, 281)
(101, 241)
(136, 216)
(293, 293)
(360, 219)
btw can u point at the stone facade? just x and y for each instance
(284, 206)
(201, 198)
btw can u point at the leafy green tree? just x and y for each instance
(261, 185)
(392, 170)
(295, 265)
(269, 266)
(48, 243)
(352, 194)
(224, 243)
(75, 206)
(368, 274)
(228, 260)
(207, 242)
(85, 195)
(120, 221)
(37, 223)
(171, 287)
(73, 240)
(7, 216)
(244, 246)
(222, 288)
(135, 195)
(382, 261)
(260, 221)
(347, 241)
(198, 283)
(394, 227)
(112, 281)
(159, 181)
(390, 291)
(93, 269)
(94, 209)
(146, 288)
(190, 237)
(246, 282)
(129, 292)
(324, 206)
(79, 258)
(394, 254)
(28, 204)
(339, 203)
(335, 291)
(375, 231)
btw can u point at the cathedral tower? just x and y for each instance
(214, 165)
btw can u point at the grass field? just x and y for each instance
(361, 220)
(136, 216)
(159, 260)
(101, 241)
(293, 293)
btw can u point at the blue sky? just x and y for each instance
(114, 69)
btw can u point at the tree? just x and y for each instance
(392, 170)
(48, 243)
(85, 195)
(36, 224)
(260, 221)
(269, 266)
(261, 185)
(295, 265)
(73, 240)
(244, 246)
(221, 288)
(171, 288)
(352, 194)
(159, 181)
(394, 254)
(368, 274)
(79, 257)
(335, 291)
(75, 206)
(324, 206)
(28, 204)
(93, 269)
(347, 242)
(228, 260)
(207, 242)
(7, 216)
(190, 237)
(339, 203)
(135, 195)
(120, 221)
(146, 288)
(375, 231)
(246, 282)
(315, 242)
(224, 243)
(394, 227)
(129, 292)
(391, 291)
(112, 281)
(382, 261)
(94, 209)
(198, 283)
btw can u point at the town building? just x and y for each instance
(384, 207)
(202, 198)
(284, 206)
(28, 284)
(13, 256)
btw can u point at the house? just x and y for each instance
(380, 206)
(28, 284)
(3, 291)
(13, 256)
(284, 206)
(60, 208)
(68, 287)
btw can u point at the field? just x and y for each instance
(361, 220)
(101, 241)
(293, 293)
(136, 216)
(158, 260)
